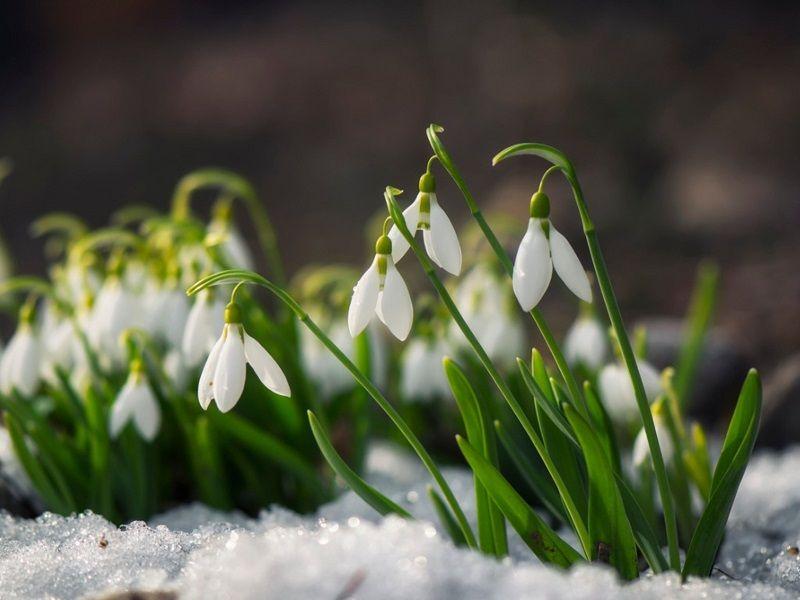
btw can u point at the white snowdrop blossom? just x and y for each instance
(641, 449)
(543, 249)
(171, 317)
(115, 310)
(223, 375)
(586, 343)
(230, 242)
(322, 367)
(21, 362)
(382, 291)
(441, 241)
(175, 368)
(203, 325)
(616, 389)
(488, 308)
(422, 377)
(136, 402)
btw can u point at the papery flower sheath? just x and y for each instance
(136, 402)
(542, 249)
(382, 291)
(224, 373)
(425, 213)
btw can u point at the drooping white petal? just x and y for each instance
(205, 321)
(651, 379)
(399, 244)
(123, 408)
(365, 297)
(394, 306)
(422, 377)
(265, 367)
(230, 373)
(616, 392)
(146, 413)
(441, 241)
(236, 251)
(175, 369)
(586, 343)
(21, 362)
(533, 267)
(205, 387)
(568, 266)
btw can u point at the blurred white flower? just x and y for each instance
(175, 369)
(586, 343)
(205, 321)
(438, 233)
(224, 373)
(21, 362)
(487, 306)
(136, 402)
(115, 310)
(616, 389)
(641, 449)
(232, 247)
(542, 249)
(382, 291)
(422, 376)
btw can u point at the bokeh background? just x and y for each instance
(684, 124)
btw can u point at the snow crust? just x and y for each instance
(347, 551)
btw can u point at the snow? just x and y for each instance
(346, 551)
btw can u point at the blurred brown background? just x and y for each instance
(684, 124)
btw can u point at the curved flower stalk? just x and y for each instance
(542, 249)
(136, 402)
(240, 277)
(586, 342)
(224, 373)
(21, 361)
(381, 291)
(438, 233)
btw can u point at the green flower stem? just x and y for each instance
(556, 157)
(233, 275)
(502, 386)
(505, 260)
(241, 188)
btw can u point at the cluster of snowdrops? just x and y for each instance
(142, 327)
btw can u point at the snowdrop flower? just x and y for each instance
(616, 389)
(441, 241)
(224, 373)
(175, 368)
(203, 325)
(382, 291)
(641, 449)
(115, 310)
(171, 316)
(21, 362)
(542, 249)
(322, 367)
(488, 308)
(586, 343)
(232, 246)
(423, 376)
(136, 402)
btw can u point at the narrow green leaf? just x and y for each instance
(540, 483)
(366, 492)
(736, 451)
(544, 399)
(213, 485)
(609, 527)
(539, 537)
(643, 532)
(446, 518)
(603, 425)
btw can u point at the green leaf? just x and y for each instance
(547, 405)
(446, 518)
(491, 527)
(540, 483)
(603, 425)
(643, 532)
(539, 537)
(609, 527)
(736, 451)
(366, 492)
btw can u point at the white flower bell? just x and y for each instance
(441, 241)
(115, 310)
(641, 449)
(203, 325)
(382, 291)
(21, 363)
(224, 373)
(423, 378)
(136, 402)
(222, 230)
(616, 389)
(542, 249)
(586, 342)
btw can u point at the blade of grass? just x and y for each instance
(366, 492)
(446, 518)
